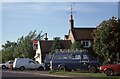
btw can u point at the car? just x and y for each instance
(26, 63)
(110, 69)
(7, 64)
(77, 60)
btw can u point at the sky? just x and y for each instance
(19, 18)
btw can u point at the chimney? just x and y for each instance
(46, 37)
(71, 22)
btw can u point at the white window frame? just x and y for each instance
(86, 41)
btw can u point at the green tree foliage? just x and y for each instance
(8, 50)
(56, 44)
(76, 45)
(22, 48)
(107, 39)
(25, 45)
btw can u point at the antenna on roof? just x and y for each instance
(71, 17)
(71, 8)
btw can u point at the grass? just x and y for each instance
(85, 74)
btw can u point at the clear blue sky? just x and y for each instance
(19, 18)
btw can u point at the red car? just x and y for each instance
(110, 69)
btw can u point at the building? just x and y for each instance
(83, 35)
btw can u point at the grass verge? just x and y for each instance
(82, 74)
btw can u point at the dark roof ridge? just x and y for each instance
(53, 40)
(84, 28)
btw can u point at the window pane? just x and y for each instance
(66, 56)
(86, 44)
(85, 56)
(57, 57)
(35, 46)
(83, 43)
(76, 56)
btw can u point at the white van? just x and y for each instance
(26, 63)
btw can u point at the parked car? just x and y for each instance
(26, 63)
(110, 69)
(6, 65)
(48, 57)
(69, 61)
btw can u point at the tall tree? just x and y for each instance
(22, 48)
(107, 39)
(25, 46)
(8, 50)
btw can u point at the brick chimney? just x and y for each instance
(46, 37)
(71, 22)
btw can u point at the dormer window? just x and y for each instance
(86, 44)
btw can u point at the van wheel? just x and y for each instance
(109, 72)
(92, 69)
(40, 68)
(22, 68)
(4, 67)
(62, 68)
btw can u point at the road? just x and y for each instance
(33, 74)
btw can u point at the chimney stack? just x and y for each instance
(46, 37)
(71, 22)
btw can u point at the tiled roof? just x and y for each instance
(83, 33)
(47, 45)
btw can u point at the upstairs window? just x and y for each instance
(86, 43)
(35, 46)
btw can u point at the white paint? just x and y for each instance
(38, 56)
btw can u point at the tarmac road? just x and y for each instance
(33, 74)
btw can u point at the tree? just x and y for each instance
(22, 48)
(8, 51)
(56, 44)
(107, 39)
(76, 45)
(25, 46)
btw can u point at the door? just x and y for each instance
(85, 61)
(31, 64)
(76, 61)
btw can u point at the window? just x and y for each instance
(86, 43)
(62, 56)
(76, 56)
(35, 46)
(66, 56)
(31, 61)
(57, 56)
(85, 56)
